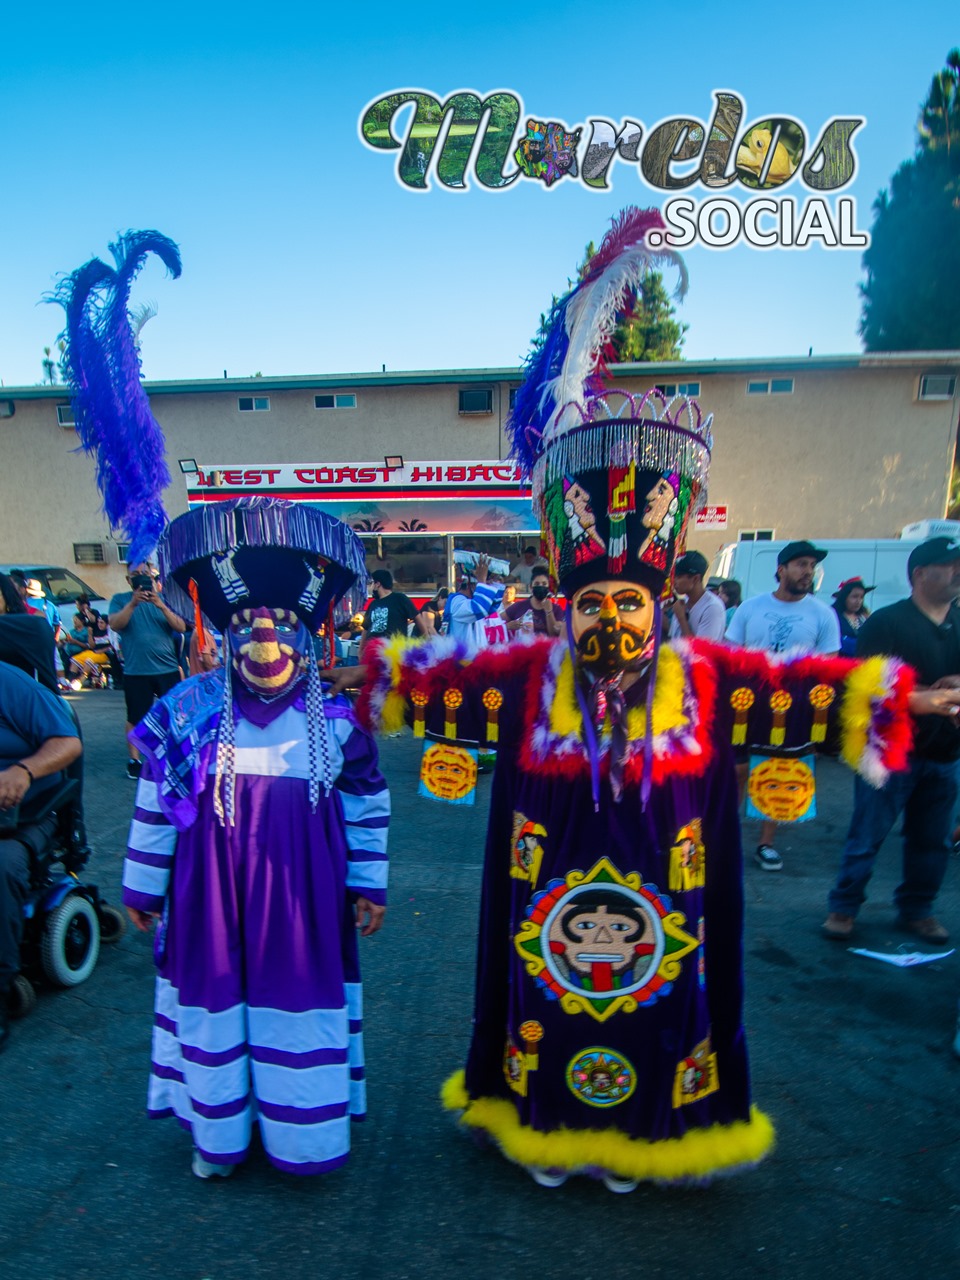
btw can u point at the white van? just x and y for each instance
(880, 562)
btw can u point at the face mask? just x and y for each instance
(269, 648)
(540, 592)
(610, 645)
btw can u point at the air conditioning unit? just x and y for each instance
(476, 400)
(89, 553)
(937, 386)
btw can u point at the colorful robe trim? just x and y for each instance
(876, 730)
(719, 1148)
(682, 712)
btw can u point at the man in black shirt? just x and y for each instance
(923, 630)
(389, 612)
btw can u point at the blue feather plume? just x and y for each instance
(111, 409)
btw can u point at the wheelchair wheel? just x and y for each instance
(113, 923)
(22, 997)
(71, 942)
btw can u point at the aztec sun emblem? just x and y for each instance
(601, 942)
(448, 772)
(782, 788)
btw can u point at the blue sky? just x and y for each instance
(233, 130)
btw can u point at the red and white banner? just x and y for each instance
(340, 481)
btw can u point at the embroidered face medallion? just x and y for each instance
(602, 942)
(612, 626)
(448, 772)
(782, 788)
(269, 649)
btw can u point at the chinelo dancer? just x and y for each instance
(607, 1035)
(259, 835)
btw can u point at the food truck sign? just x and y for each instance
(333, 481)
(418, 497)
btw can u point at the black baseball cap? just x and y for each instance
(694, 562)
(934, 551)
(797, 550)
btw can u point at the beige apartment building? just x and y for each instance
(820, 447)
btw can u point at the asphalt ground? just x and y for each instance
(851, 1058)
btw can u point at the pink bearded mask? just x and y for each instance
(269, 650)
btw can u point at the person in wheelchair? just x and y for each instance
(39, 740)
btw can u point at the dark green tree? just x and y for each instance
(649, 332)
(910, 297)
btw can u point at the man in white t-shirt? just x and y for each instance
(788, 620)
(696, 611)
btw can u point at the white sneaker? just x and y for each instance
(547, 1177)
(620, 1186)
(206, 1169)
(767, 858)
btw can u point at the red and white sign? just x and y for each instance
(711, 518)
(339, 481)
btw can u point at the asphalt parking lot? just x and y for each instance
(851, 1058)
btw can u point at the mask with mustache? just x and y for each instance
(269, 650)
(611, 645)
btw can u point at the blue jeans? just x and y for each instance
(926, 795)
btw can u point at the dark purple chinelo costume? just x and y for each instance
(258, 824)
(607, 1033)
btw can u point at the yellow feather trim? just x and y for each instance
(697, 1153)
(865, 685)
(394, 706)
(565, 717)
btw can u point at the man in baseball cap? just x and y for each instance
(696, 611)
(924, 630)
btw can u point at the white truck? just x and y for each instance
(880, 562)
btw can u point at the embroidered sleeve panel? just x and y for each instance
(435, 687)
(858, 708)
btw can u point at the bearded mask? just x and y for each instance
(620, 639)
(269, 650)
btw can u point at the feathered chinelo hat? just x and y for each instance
(615, 477)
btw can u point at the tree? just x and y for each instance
(648, 330)
(910, 297)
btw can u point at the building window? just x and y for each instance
(476, 400)
(688, 388)
(122, 550)
(671, 389)
(937, 386)
(253, 404)
(344, 400)
(667, 389)
(773, 387)
(89, 553)
(514, 391)
(756, 535)
(65, 415)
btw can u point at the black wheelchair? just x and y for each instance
(65, 917)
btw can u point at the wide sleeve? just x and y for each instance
(151, 845)
(860, 708)
(439, 688)
(365, 802)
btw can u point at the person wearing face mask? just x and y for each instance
(538, 615)
(607, 1035)
(259, 842)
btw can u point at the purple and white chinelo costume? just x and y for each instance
(260, 834)
(258, 1001)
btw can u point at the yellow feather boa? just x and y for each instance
(866, 685)
(700, 1152)
(566, 718)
